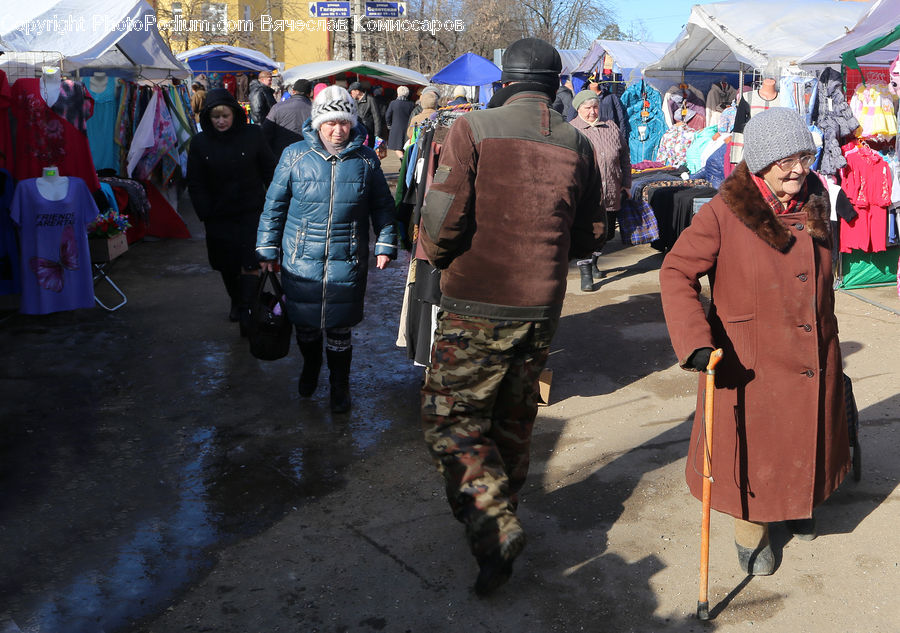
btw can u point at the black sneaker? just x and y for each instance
(496, 567)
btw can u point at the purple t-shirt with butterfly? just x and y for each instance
(56, 261)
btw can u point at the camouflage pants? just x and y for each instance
(479, 402)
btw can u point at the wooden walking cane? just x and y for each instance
(703, 601)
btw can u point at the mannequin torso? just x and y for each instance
(51, 185)
(768, 89)
(98, 83)
(50, 81)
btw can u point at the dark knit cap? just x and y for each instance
(774, 134)
(302, 86)
(531, 59)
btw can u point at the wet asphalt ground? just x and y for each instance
(154, 477)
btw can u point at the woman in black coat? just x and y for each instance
(230, 166)
(397, 119)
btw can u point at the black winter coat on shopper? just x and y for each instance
(228, 172)
(397, 119)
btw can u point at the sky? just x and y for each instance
(662, 19)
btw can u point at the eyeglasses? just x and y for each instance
(787, 164)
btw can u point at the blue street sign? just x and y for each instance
(381, 9)
(329, 9)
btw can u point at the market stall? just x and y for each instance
(78, 98)
(868, 51)
(331, 72)
(625, 60)
(108, 35)
(231, 67)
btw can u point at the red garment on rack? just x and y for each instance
(230, 83)
(44, 138)
(6, 146)
(866, 179)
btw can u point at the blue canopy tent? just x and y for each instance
(226, 59)
(470, 69)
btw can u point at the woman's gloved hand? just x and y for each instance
(700, 358)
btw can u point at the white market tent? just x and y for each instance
(732, 36)
(89, 35)
(390, 74)
(882, 20)
(628, 57)
(570, 59)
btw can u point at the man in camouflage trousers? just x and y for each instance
(527, 180)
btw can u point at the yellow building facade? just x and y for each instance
(281, 29)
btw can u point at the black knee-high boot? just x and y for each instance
(248, 285)
(339, 378)
(233, 288)
(312, 365)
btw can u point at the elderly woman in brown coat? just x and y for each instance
(613, 161)
(428, 102)
(780, 443)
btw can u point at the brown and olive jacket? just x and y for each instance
(516, 194)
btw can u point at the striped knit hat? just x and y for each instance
(333, 104)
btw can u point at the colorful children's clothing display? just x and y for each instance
(674, 145)
(873, 107)
(867, 182)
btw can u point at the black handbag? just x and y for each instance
(270, 328)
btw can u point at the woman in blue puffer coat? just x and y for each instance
(325, 191)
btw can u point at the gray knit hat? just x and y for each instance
(333, 104)
(582, 96)
(774, 134)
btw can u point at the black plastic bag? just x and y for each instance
(270, 329)
(853, 427)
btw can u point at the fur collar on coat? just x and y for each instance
(744, 200)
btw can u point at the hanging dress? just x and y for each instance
(101, 126)
(48, 136)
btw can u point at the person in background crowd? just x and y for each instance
(262, 97)
(459, 96)
(382, 102)
(278, 88)
(198, 99)
(229, 167)
(284, 123)
(327, 190)
(613, 162)
(428, 102)
(437, 95)
(610, 108)
(397, 119)
(529, 181)
(242, 92)
(780, 440)
(563, 102)
(369, 113)
(319, 87)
